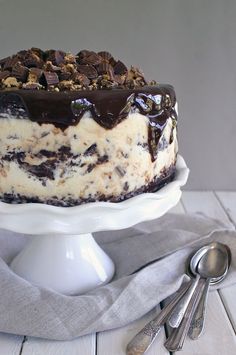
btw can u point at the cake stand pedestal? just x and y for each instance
(62, 254)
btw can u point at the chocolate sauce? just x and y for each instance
(107, 107)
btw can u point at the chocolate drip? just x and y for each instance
(107, 107)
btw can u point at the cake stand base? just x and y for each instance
(62, 254)
(76, 259)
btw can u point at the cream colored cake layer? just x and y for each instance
(117, 162)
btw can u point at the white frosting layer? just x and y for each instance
(125, 162)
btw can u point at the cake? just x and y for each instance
(82, 128)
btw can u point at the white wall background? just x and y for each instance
(189, 43)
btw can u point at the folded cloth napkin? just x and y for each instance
(150, 260)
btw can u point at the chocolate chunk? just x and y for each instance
(32, 60)
(42, 170)
(120, 171)
(81, 79)
(38, 52)
(50, 78)
(106, 56)
(59, 57)
(20, 72)
(47, 153)
(126, 186)
(120, 68)
(3, 61)
(65, 75)
(21, 54)
(88, 70)
(92, 58)
(104, 68)
(91, 150)
(84, 53)
(55, 56)
(90, 168)
(10, 62)
(4, 74)
(103, 159)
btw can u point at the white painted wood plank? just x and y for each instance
(114, 342)
(228, 201)
(219, 337)
(206, 203)
(10, 344)
(85, 345)
(228, 297)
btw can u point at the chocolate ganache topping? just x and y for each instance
(57, 87)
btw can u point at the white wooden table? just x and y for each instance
(218, 339)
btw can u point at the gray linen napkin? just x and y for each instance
(158, 249)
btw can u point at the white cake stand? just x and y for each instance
(63, 254)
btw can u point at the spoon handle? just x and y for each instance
(197, 323)
(143, 340)
(176, 339)
(179, 311)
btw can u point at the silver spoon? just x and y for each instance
(143, 340)
(178, 313)
(180, 309)
(213, 263)
(200, 267)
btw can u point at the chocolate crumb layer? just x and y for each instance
(166, 177)
(100, 71)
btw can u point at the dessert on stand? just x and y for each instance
(86, 145)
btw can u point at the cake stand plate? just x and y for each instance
(62, 253)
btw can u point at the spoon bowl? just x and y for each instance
(210, 263)
(219, 254)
